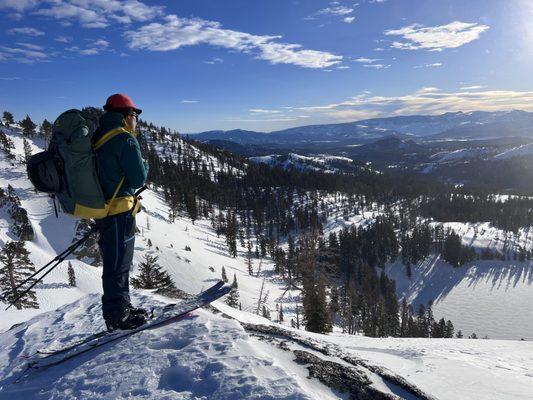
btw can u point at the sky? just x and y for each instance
(197, 65)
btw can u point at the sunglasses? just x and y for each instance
(134, 115)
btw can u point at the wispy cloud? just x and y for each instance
(88, 13)
(436, 38)
(63, 39)
(432, 65)
(26, 30)
(189, 101)
(17, 5)
(372, 63)
(428, 100)
(94, 48)
(473, 87)
(263, 111)
(25, 53)
(377, 66)
(365, 60)
(178, 32)
(214, 60)
(335, 10)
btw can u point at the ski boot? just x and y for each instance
(129, 320)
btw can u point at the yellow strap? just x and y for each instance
(116, 190)
(108, 136)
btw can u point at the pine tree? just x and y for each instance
(224, 276)
(17, 268)
(151, 276)
(448, 332)
(6, 145)
(280, 313)
(459, 334)
(266, 312)
(71, 275)
(8, 118)
(46, 130)
(28, 126)
(232, 299)
(249, 259)
(27, 150)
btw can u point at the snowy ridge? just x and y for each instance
(524, 150)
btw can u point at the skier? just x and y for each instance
(121, 170)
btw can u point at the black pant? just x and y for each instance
(117, 242)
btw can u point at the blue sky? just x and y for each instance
(196, 65)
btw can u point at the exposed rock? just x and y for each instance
(279, 333)
(21, 223)
(88, 250)
(342, 378)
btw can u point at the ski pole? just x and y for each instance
(136, 195)
(67, 251)
(59, 258)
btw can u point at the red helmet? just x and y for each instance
(119, 102)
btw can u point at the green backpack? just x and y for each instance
(67, 170)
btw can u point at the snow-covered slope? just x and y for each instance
(208, 356)
(524, 150)
(323, 163)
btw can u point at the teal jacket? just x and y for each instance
(119, 157)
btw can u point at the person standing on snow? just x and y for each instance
(121, 170)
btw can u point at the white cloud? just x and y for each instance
(189, 101)
(178, 32)
(214, 60)
(95, 48)
(343, 67)
(473, 87)
(432, 65)
(428, 100)
(63, 39)
(377, 66)
(26, 31)
(17, 5)
(31, 46)
(365, 60)
(436, 38)
(349, 20)
(88, 13)
(25, 53)
(263, 111)
(336, 11)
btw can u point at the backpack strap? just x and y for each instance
(116, 190)
(104, 139)
(108, 136)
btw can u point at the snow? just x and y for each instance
(201, 356)
(320, 162)
(209, 356)
(523, 150)
(451, 369)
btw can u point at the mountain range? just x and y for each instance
(452, 125)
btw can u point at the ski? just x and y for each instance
(163, 311)
(172, 314)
